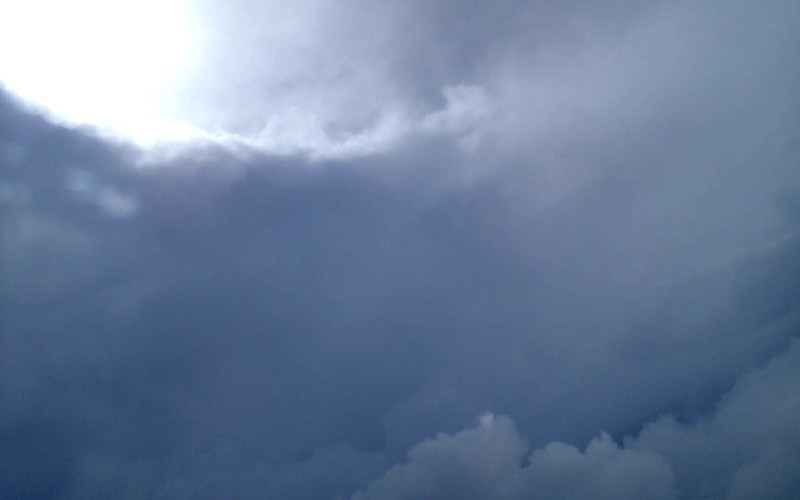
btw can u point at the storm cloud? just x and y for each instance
(472, 250)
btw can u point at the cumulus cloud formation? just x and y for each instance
(747, 448)
(397, 218)
(486, 462)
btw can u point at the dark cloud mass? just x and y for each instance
(509, 250)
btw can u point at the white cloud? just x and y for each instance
(486, 462)
(748, 448)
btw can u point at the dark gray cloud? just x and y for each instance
(583, 220)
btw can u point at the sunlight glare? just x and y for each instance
(107, 63)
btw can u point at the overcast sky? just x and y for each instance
(400, 250)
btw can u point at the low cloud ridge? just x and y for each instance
(748, 448)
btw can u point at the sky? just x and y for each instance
(400, 250)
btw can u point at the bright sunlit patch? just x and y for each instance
(102, 62)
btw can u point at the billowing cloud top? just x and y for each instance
(495, 250)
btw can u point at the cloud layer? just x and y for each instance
(582, 220)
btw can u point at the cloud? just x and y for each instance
(487, 462)
(747, 448)
(112, 202)
(581, 219)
